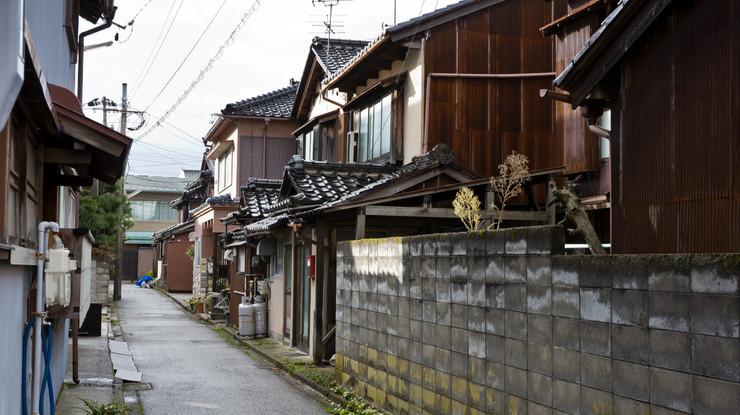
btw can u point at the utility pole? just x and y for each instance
(119, 244)
(105, 111)
(394, 12)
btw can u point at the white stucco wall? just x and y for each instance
(321, 106)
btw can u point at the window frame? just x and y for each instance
(385, 100)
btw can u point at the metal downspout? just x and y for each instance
(41, 252)
(81, 52)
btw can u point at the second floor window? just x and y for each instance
(373, 130)
(310, 146)
(149, 210)
(225, 169)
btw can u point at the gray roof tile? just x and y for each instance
(274, 104)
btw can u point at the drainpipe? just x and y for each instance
(43, 243)
(428, 88)
(81, 49)
(264, 148)
(329, 100)
(599, 131)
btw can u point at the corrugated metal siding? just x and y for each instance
(678, 175)
(46, 20)
(484, 120)
(253, 161)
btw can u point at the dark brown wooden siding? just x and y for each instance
(677, 157)
(253, 160)
(483, 120)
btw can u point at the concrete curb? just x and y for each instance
(325, 392)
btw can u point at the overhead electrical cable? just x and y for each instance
(166, 28)
(190, 52)
(206, 69)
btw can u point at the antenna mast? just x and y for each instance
(328, 24)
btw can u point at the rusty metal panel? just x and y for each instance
(676, 176)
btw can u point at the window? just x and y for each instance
(310, 146)
(373, 125)
(149, 210)
(225, 170)
(278, 259)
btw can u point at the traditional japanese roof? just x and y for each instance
(174, 230)
(256, 196)
(335, 53)
(274, 104)
(616, 35)
(196, 190)
(155, 184)
(313, 183)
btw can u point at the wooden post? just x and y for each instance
(318, 327)
(294, 293)
(360, 226)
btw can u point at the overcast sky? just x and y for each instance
(269, 51)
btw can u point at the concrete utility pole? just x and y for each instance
(119, 241)
(105, 111)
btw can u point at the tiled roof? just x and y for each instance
(275, 104)
(312, 183)
(335, 53)
(155, 184)
(257, 196)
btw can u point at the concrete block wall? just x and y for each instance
(101, 279)
(504, 323)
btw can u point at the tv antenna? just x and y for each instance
(328, 23)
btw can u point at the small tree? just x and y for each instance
(105, 215)
(467, 208)
(513, 173)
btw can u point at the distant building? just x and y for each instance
(189, 174)
(150, 198)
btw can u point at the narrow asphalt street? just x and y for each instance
(192, 370)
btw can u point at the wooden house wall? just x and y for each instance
(483, 120)
(581, 147)
(676, 157)
(254, 162)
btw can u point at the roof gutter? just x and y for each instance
(81, 49)
(439, 75)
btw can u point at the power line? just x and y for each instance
(156, 46)
(208, 26)
(205, 70)
(196, 139)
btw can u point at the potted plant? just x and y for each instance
(196, 304)
(97, 408)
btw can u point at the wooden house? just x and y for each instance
(667, 73)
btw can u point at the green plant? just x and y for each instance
(353, 404)
(195, 300)
(106, 215)
(467, 208)
(97, 408)
(190, 252)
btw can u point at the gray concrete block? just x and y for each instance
(477, 268)
(566, 365)
(671, 389)
(429, 333)
(444, 337)
(495, 270)
(629, 307)
(628, 276)
(459, 314)
(477, 370)
(443, 358)
(631, 380)
(539, 329)
(516, 382)
(537, 409)
(631, 344)
(659, 410)
(416, 330)
(515, 269)
(496, 376)
(428, 356)
(476, 243)
(710, 276)
(596, 338)
(444, 247)
(459, 269)
(444, 268)
(429, 246)
(416, 309)
(429, 311)
(539, 299)
(516, 325)
(477, 294)
(593, 274)
(477, 319)
(671, 278)
(546, 240)
(477, 344)
(595, 402)
(442, 291)
(459, 364)
(459, 340)
(566, 396)
(539, 389)
(443, 314)
(624, 406)
(566, 333)
(496, 402)
(495, 243)
(596, 372)
(458, 242)
(539, 270)
(516, 241)
(516, 353)
(428, 289)
(539, 358)
(669, 311)
(495, 295)
(596, 304)
(515, 405)
(516, 297)
(715, 315)
(415, 288)
(404, 327)
(495, 348)
(566, 302)
(495, 321)
(716, 357)
(459, 292)
(715, 397)
(670, 350)
(565, 271)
